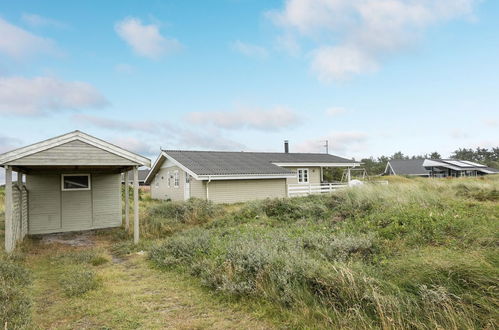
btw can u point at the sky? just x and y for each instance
(372, 77)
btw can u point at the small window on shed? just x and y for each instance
(76, 182)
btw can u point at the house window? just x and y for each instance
(302, 175)
(176, 179)
(75, 182)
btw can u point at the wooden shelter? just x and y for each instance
(68, 183)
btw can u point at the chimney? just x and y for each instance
(286, 146)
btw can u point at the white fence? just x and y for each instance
(308, 189)
(301, 189)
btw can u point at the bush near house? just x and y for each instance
(15, 303)
(415, 254)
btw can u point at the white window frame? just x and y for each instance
(76, 189)
(303, 171)
(176, 179)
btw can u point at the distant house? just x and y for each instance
(437, 168)
(142, 177)
(229, 177)
(408, 167)
(456, 168)
(67, 183)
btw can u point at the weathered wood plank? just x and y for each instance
(136, 205)
(73, 153)
(9, 234)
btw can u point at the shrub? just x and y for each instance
(418, 254)
(15, 303)
(166, 218)
(78, 281)
(86, 256)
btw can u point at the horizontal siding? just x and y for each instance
(314, 174)
(198, 189)
(106, 199)
(44, 195)
(234, 191)
(52, 210)
(159, 186)
(76, 208)
(73, 153)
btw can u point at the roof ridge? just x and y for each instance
(252, 152)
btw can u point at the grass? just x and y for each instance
(414, 254)
(130, 294)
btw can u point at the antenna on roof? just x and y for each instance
(326, 145)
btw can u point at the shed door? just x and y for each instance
(76, 203)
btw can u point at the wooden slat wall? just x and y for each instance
(106, 190)
(198, 189)
(314, 174)
(75, 153)
(234, 191)
(44, 193)
(76, 209)
(52, 210)
(162, 191)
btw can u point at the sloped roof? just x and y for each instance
(231, 163)
(459, 165)
(142, 176)
(19, 153)
(408, 167)
(226, 163)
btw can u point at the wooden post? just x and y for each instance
(135, 205)
(20, 219)
(127, 203)
(9, 239)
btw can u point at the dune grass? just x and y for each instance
(414, 254)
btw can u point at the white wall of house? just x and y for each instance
(314, 175)
(234, 191)
(166, 186)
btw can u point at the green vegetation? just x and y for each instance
(78, 281)
(15, 303)
(416, 253)
(419, 254)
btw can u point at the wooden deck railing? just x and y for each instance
(322, 188)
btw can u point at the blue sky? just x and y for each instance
(371, 76)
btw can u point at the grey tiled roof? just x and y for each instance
(142, 176)
(408, 167)
(246, 163)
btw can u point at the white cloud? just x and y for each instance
(138, 146)
(164, 133)
(265, 120)
(35, 20)
(210, 140)
(8, 143)
(335, 111)
(351, 37)
(34, 96)
(491, 122)
(146, 126)
(339, 142)
(249, 49)
(145, 40)
(124, 68)
(19, 43)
